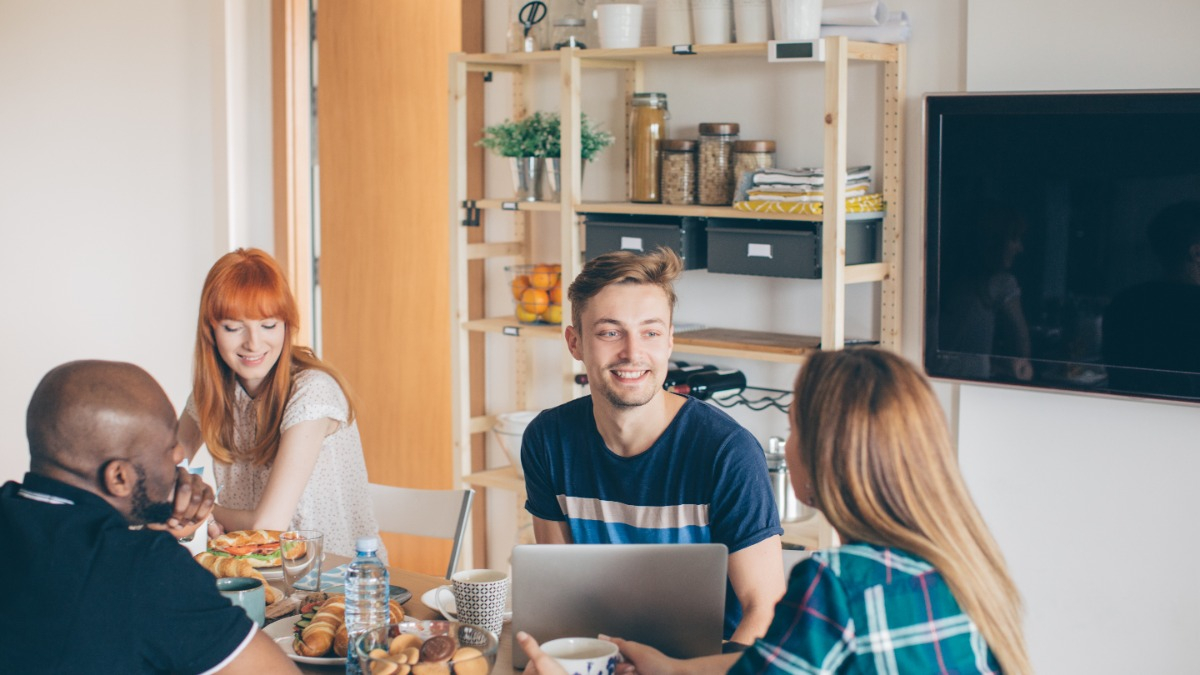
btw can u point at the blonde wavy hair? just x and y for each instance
(875, 444)
(247, 284)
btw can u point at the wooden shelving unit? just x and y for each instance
(836, 275)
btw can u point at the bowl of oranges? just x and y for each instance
(537, 293)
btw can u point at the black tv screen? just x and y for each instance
(1063, 241)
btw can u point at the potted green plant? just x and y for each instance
(524, 143)
(591, 141)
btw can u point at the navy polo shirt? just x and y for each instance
(84, 593)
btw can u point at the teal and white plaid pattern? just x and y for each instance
(329, 579)
(866, 609)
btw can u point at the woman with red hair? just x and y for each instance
(277, 421)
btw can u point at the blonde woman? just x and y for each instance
(277, 421)
(919, 585)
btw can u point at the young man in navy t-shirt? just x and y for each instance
(633, 463)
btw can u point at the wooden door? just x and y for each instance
(382, 117)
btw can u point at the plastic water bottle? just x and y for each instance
(366, 595)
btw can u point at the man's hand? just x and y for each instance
(193, 502)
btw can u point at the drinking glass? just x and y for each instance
(301, 553)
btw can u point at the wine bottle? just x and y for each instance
(704, 384)
(680, 374)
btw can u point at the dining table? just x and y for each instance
(417, 584)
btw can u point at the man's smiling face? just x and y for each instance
(624, 341)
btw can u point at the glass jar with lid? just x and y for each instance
(715, 163)
(570, 32)
(750, 156)
(647, 128)
(678, 171)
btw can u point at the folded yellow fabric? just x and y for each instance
(863, 204)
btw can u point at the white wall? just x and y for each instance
(1070, 485)
(1075, 487)
(111, 200)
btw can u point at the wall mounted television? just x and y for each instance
(1063, 241)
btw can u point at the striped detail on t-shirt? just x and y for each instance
(598, 520)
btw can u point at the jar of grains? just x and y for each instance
(749, 156)
(715, 171)
(647, 128)
(678, 171)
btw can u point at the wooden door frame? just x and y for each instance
(292, 136)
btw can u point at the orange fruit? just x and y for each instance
(534, 301)
(553, 314)
(524, 316)
(519, 285)
(542, 277)
(556, 294)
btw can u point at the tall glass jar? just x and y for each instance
(647, 128)
(678, 171)
(716, 162)
(750, 156)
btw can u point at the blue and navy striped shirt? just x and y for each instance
(704, 480)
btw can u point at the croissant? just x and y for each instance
(317, 637)
(222, 567)
(341, 639)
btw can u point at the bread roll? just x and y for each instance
(317, 637)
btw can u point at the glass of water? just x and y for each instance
(300, 552)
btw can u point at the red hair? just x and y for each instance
(247, 284)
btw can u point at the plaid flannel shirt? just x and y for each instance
(866, 609)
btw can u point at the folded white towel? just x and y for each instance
(895, 30)
(853, 13)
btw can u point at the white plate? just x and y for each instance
(271, 573)
(428, 600)
(281, 632)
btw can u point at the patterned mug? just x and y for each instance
(480, 597)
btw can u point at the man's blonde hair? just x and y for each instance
(659, 267)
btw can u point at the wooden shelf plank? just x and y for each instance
(513, 205)
(504, 478)
(619, 58)
(633, 208)
(733, 342)
(508, 325)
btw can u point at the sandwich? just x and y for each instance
(260, 548)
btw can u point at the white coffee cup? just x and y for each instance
(752, 20)
(797, 19)
(712, 22)
(619, 25)
(584, 655)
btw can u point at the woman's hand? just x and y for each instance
(540, 663)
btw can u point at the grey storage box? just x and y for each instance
(772, 248)
(682, 234)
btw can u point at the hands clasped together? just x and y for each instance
(193, 503)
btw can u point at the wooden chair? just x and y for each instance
(440, 514)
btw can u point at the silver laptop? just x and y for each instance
(669, 596)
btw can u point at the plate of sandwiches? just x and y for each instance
(246, 553)
(318, 635)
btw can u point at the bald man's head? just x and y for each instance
(85, 414)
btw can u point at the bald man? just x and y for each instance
(85, 592)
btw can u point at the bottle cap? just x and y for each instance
(366, 544)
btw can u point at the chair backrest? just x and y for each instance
(441, 514)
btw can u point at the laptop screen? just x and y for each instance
(669, 596)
